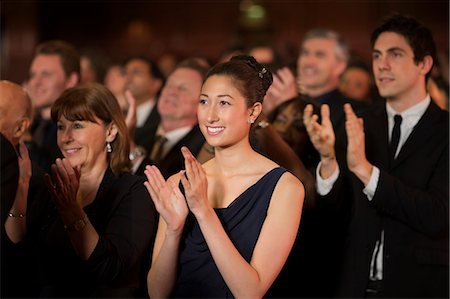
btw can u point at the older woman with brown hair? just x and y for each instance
(95, 233)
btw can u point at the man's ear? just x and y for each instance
(111, 132)
(72, 80)
(426, 64)
(21, 128)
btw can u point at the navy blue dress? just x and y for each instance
(198, 275)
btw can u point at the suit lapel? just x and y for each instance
(377, 137)
(421, 133)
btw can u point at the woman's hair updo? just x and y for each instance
(252, 78)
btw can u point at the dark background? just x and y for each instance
(199, 27)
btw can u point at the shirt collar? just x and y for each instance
(415, 111)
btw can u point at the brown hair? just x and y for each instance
(70, 59)
(94, 100)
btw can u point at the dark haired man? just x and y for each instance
(144, 81)
(55, 68)
(393, 177)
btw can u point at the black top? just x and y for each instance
(242, 220)
(126, 221)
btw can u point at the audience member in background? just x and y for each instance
(144, 81)
(357, 82)
(15, 119)
(93, 65)
(116, 81)
(437, 84)
(230, 51)
(392, 180)
(167, 63)
(266, 54)
(323, 57)
(177, 106)
(230, 230)
(55, 68)
(92, 237)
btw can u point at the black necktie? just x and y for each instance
(395, 138)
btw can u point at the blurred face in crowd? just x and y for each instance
(88, 74)
(140, 81)
(397, 76)
(47, 80)
(355, 83)
(318, 66)
(289, 124)
(179, 97)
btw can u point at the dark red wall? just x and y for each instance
(200, 27)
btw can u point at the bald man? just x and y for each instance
(15, 120)
(15, 111)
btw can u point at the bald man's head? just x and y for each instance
(15, 111)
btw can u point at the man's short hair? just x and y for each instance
(416, 34)
(70, 58)
(153, 67)
(342, 49)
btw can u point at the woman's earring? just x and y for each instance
(108, 147)
(250, 121)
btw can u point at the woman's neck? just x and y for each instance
(90, 181)
(232, 160)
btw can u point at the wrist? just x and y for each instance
(78, 224)
(363, 172)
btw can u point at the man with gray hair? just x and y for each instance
(313, 267)
(322, 59)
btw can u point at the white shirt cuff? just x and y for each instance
(324, 185)
(369, 190)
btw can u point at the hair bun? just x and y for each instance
(262, 72)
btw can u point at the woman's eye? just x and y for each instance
(203, 101)
(224, 103)
(77, 125)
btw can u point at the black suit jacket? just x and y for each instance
(9, 177)
(411, 206)
(173, 161)
(143, 136)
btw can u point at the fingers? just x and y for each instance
(325, 114)
(286, 75)
(23, 151)
(154, 178)
(131, 100)
(130, 119)
(307, 113)
(50, 185)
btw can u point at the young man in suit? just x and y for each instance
(392, 178)
(55, 68)
(144, 81)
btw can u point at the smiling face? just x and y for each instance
(397, 76)
(47, 80)
(223, 114)
(83, 143)
(179, 96)
(318, 66)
